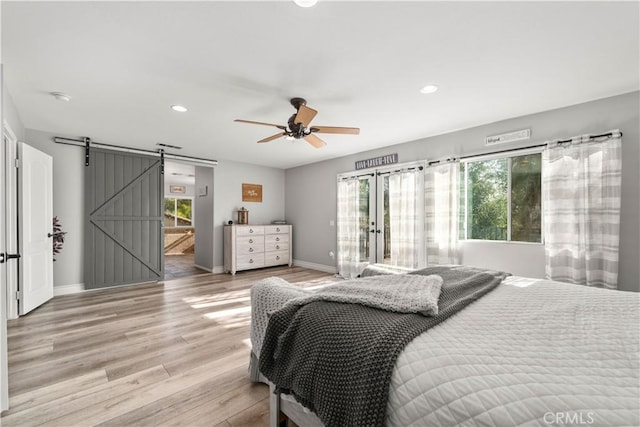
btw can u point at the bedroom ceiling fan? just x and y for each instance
(298, 126)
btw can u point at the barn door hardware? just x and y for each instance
(87, 143)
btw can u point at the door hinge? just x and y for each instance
(17, 163)
(17, 295)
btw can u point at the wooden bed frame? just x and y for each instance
(281, 410)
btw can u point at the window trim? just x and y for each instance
(498, 156)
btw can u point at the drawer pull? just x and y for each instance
(251, 261)
(250, 240)
(277, 257)
(277, 246)
(251, 230)
(277, 239)
(277, 228)
(250, 249)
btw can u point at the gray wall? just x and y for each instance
(10, 114)
(311, 190)
(68, 201)
(203, 218)
(227, 183)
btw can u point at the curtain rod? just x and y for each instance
(401, 170)
(160, 153)
(342, 178)
(509, 150)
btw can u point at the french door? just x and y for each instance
(380, 220)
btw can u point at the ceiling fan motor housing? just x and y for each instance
(296, 130)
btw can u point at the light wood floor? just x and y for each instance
(173, 353)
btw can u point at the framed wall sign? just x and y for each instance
(177, 189)
(389, 159)
(251, 193)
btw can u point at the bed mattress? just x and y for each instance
(531, 352)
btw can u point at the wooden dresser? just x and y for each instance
(255, 246)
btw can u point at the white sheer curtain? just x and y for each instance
(581, 202)
(442, 196)
(348, 228)
(405, 218)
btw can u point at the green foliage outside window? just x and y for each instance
(177, 212)
(487, 205)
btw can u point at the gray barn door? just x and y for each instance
(124, 229)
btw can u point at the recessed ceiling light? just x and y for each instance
(61, 96)
(179, 108)
(430, 88)
(305, 3)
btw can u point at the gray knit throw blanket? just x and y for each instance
(337, 358)
(402, 293)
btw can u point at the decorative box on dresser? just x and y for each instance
(255, 246)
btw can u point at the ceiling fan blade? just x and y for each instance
(334, 129)
(305, 115)
(260, 123)
(315, 141)
(272, 137)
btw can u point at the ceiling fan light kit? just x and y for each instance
(298, 126)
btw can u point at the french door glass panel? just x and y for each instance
(375, 226)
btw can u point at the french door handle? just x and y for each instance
(378, 231)
(372, 231)
(6, 257)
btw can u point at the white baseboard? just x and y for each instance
(68, 289)
(313, 266)
(203, 268)
(79, 287)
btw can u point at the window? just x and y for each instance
(500, 199)
(178, 212)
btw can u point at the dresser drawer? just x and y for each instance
(249, 249)
(250, 261)
(276, 258)
(250, 244)
(272, 239)
(276, 229)
(249, 230)
(276, 246)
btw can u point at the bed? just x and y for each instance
(529, 352)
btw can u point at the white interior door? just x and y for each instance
(4, 368)
(35, 202)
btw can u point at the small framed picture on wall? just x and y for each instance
(177, 189)
(252, 193)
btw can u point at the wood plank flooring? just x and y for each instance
(173, 353)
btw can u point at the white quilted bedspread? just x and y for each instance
(531, 352)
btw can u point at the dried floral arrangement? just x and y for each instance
(58, 236)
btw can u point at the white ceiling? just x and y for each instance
(358, 63)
